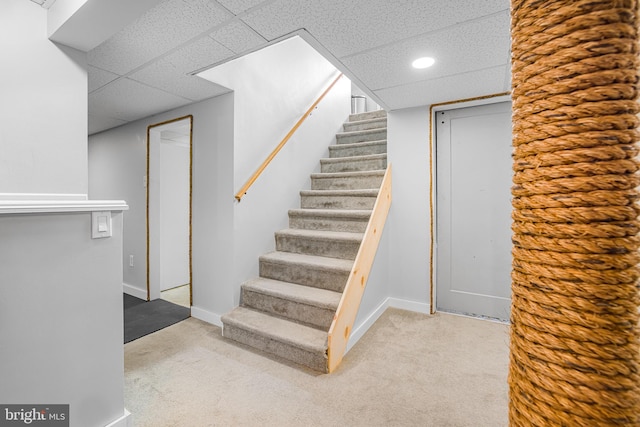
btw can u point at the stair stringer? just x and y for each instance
(342, 324)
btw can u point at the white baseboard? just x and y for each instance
(206, 316)
(126, 420)
(403, 304)
(359, 331)
(134, 292)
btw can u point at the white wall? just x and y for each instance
(228, 236)
(272, 88)
(61, 323)
(400, 273)
(408, 222)
(43, 106)
(84, 24)
(117, 165)
(174, 214)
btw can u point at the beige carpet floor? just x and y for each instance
(408, 370)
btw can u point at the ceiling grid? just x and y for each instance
(147, 67)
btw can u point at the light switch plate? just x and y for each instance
(100, 224)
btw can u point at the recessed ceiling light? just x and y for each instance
(424, 62)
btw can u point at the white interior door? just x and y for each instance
(473, 210)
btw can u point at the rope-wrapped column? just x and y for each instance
(575, 348)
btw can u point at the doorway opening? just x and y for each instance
(169, 204)
(473, 210)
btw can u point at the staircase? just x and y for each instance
(288, 310)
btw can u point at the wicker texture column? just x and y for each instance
(575, 348)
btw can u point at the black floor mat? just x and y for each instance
(144, 317)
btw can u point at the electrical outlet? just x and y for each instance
(130, 260)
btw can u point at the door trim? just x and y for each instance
(433, 109)
(149, 128)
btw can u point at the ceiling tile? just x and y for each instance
(171, 73)
(200, 54)
(193, 88)
(238, 37)
(161, 29)
(239, 6)
(472, 46)
(98, 78)
(345, 28)
(101, 122)
(449, 88)
(128, 100)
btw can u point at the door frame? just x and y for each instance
(150, 129)
(433, 110)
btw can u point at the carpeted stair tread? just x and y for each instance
(346, 181)
(374, 123)
(277, 329)
(338, 199)
(309, 270)
(331, 213)
(361, 136)
(298, 293)
(320, 262)
(358, 144)
(367, 115)
(358, 149)
(353, 158)
(362, 192)
(354, 220)
(362, 162)
(334, 244)
(354, 174)
(322, 234)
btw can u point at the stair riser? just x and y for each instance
(317, 317)
(353, 165)
(367, 116)
(354, 126)
(315, 361)
(337, 202)
(328, 224)
(347, 183)
(333, 280)
(369, 136)
(337, 151)
(344, 249)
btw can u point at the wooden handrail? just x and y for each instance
(240, 194)
(342, 325)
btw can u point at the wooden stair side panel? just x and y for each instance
(352, 295)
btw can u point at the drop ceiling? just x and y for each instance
(148, 66)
